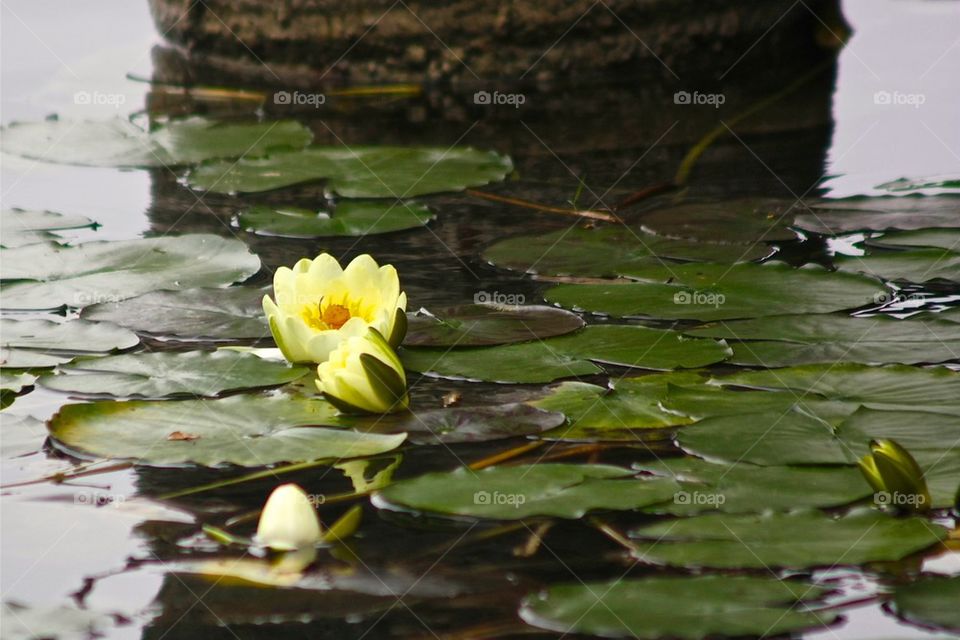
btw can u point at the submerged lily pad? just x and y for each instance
(358, 172)
(36, 344)
(523, 491)
(245, 430)
(741, 221)
(120, 143)
(777, 341)
(96, 272)
(746, 488)
(487, 324)
(19, 227)
(915, 265)
(795, 540)
(154, 375)
(878, 214)
(931, 602)
(569, 355)
(689, 607)
(233, 313)
(721, 292)
(348, 218)
(606, 252)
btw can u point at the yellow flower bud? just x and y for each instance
(319, 304)
(364, 374)
(895, 476)
(288, 520)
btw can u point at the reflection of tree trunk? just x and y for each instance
(329, 42)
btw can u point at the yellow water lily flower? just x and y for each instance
(319, 304)
(895, 476)
(289, 520)
(364, 374)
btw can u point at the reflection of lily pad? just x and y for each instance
(930, 602)
(606, 252)
(154, 375)
(29, 344)
(96, 272)
(878, 214)
(246, 430)
(348, 218)
(233, 313)
(916, 265)
(790, 540)
(777, 341)
(358, 172)
(747, 220)
(676, 607)
(720, 292)
(487, 324)
(120, 143)
(19, 227)
(569, 355)
(522, 491)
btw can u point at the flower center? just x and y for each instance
(335, 316)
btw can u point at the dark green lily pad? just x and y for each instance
(37, 344)
(487, 324)
(721, 292)
(604, 252)
(930, 602)
(569, 355)
(778, 341)
(155, 375)
(878, 214)
(120, 143)
(97, 272)
(741, 221)
(462, 424)
(746, 488)
(677, 607)
(915, 265)
(245, 430)
(234, 313)
(524, 491)
(19, 227)
(942, 238)
(795, 540)
(706, 401)
(348, 218)
(358, 172)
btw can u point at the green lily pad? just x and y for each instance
(96, 272)
(915, 265)
(777, 341)
(245, 430)
(233, 313)
(120, 143)
(746, 488)
(795, 540)
(740, 221)
(524, 491)
(600, 413)
(22, 622)
(942, 238)
(569, 355)
(706, 401)
(878, 214)
(348, 218)
(38, 344)
(358, 172)
(19, 227)
(721, 292)
(930, 602)
(155, 375)
(16, 382)
(474, 325)
(22, 435)
(606, 252)
(691, 607)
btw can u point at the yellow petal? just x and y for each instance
(288, 520)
